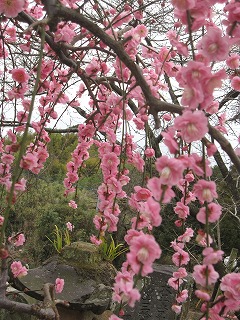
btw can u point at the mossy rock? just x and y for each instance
(82, 255)
(88, 278)
(193, 315)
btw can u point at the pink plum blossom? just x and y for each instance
(114, 317)
(203, 295)
(180, 258)
(11, 8)
(20, 239)
(59, 284)
(175, 282)
(181, 210)
(131, 234)
(212, 213)
(211, 149)
(137, 161)
(205, 190)
(182, 296)
(180, 273)
(189, 177)
(178, 223)
(213, 45)
(184, 5)
(177, 245)
(170, 141)
(192, 125)
(124, 290)
(20, 75)
(233, 61)
(65, 32)
(143, 251)
(159, 191)
(72, 204)
(29, 161)
(170, 170)
(176, 308)
(95, 240)
(93, 67)
(186, 237)
(69, 226)
(18, 270)
(141, 31)
(152, 211)
(1, 220)
(212, 256)
(230, 284)
(167, 117)
(142, 194)
(205, 274)
(201, 238)
(149, 152)
(17, 240)
(236, 83)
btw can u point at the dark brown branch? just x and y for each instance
(69, 14)
(231, 95)
(155, 105)
(57, 48)
(35, 310)
(42, 312)
(230, 181)
(226, 146)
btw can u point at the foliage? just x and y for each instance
(60, 239)
(41, 208)
(110, 251)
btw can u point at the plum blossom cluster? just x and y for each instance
(180, 259)
(227, 303)
(79, 155)
(143, 248)
(7, 157)
(143, 251)
(110, 190)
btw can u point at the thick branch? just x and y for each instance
(155, 104)
(230, 181)
(35, 310)
(231, 95)
(42, 312)
(226, 146)
(117, 46)
(57, 48)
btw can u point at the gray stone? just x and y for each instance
(88, 279)
(156, 297)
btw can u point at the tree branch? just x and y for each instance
(226, 146)
(42, 312)
(155, 104)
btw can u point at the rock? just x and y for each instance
(82, 255)
(156, 297)
(193, 315)
(66, 314)
(88, 279)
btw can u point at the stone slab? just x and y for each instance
(156, 297)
